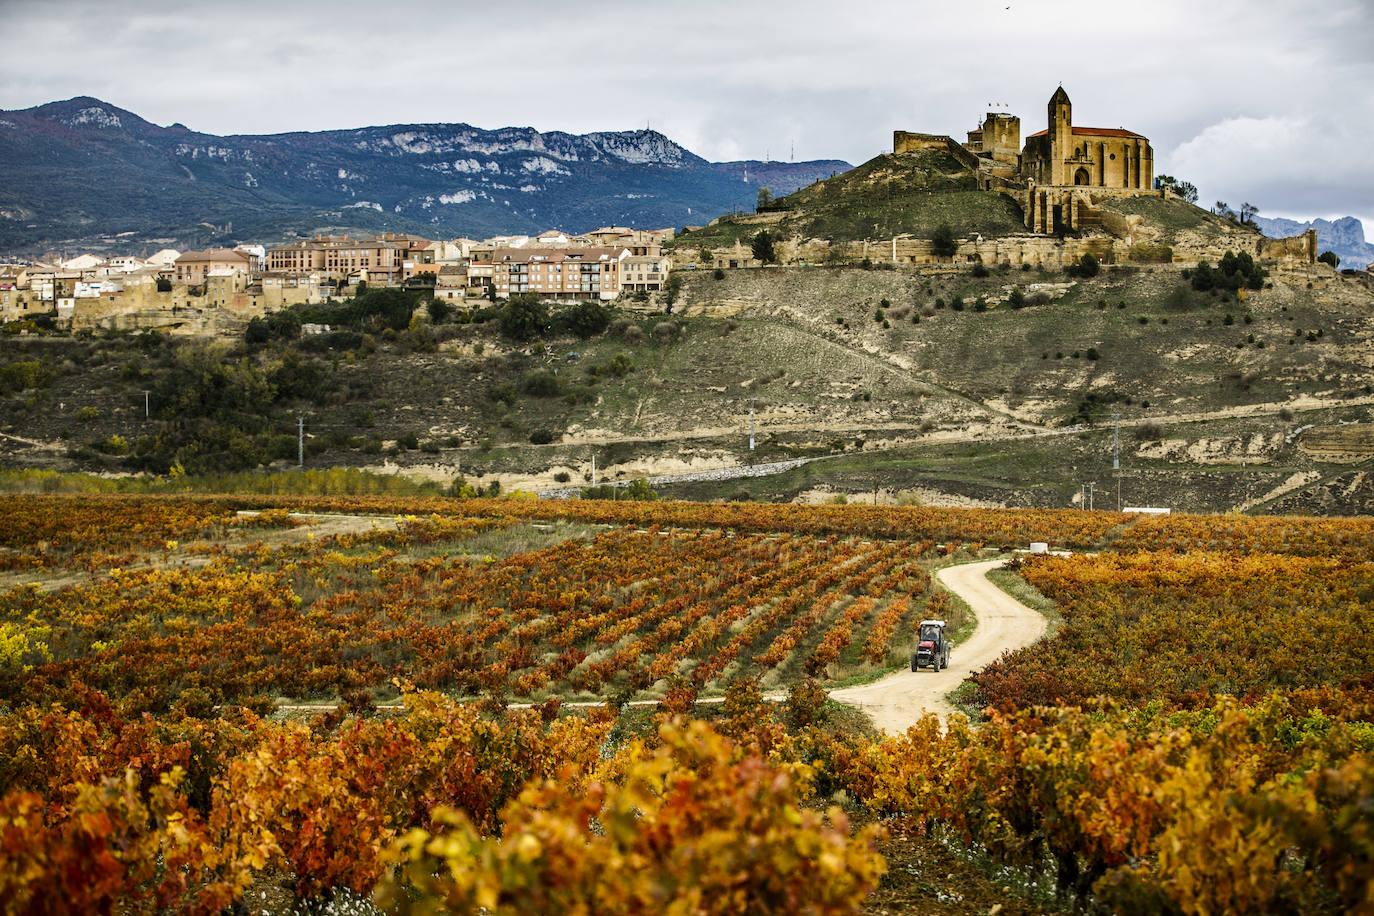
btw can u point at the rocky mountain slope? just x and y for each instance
(1344, 236)
(84, 171)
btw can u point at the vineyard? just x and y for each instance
(1195, 737)
(1185, 628)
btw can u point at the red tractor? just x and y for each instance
(932, 647)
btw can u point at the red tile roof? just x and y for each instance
(213, 254)
(1096, 132)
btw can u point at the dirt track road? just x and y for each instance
(898, 700)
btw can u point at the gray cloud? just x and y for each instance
(1266, 101)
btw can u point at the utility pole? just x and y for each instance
(1116, 456)
(593, 470)
(1090, 496)
(147, 411)
(751, 424)
(300, 441)
(1116, 442)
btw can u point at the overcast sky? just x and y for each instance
(1265, 101)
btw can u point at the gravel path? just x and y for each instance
(899, 699)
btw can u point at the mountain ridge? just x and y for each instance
(86, 172)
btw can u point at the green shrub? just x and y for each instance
(115, 445)
(541, 383)
(585, 319)
(23, 375)
(523, 317)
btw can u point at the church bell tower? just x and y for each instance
(1061, 136)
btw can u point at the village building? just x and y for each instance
(298, 259)
(481, 273)
(194, 266)
(559, 273)
(83, 262)
(644, 272)
(451, 283)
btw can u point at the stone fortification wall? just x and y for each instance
(1301, 248)
(907, 142)
(1014, 250)
(1036, 250)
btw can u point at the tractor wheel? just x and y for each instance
(914, 666)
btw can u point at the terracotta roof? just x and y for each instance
(213, 254)
(1095, 132)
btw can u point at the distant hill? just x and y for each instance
(86, 173)
(1344, 236)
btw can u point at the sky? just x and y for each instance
(1269, 102)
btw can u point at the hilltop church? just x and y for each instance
(1111, 161)
(1064, 154)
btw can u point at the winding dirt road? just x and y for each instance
(898, 700)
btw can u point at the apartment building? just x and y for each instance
(379, 260)
(298, 259)
(559, 273)
(375, 260)
(644, 272)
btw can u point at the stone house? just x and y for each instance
(194, 266)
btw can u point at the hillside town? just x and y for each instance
(200, 290)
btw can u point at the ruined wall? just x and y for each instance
(908, 142)
(1301, 248)
(904, 141)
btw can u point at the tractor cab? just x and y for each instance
(932, 648)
